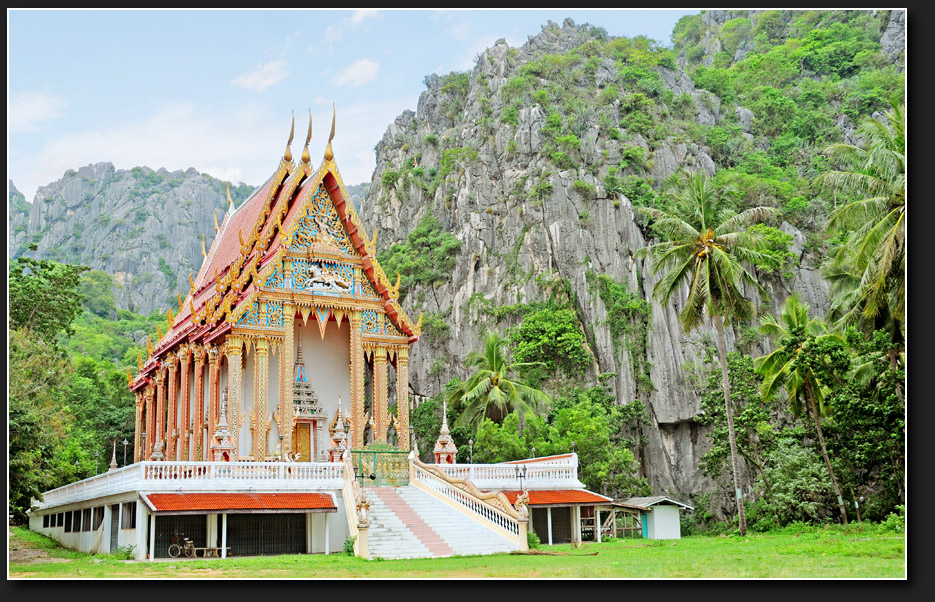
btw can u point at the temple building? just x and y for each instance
(272, 416)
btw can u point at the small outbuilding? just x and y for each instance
(660, 516)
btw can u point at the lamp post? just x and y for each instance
(471, 445)
(125, 442)
(520, 474)
(76, 470)
(96, 456)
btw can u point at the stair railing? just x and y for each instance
(356, 507)
(491, 509)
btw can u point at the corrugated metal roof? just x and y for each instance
(654, 500)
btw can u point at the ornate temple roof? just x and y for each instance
(249, 246)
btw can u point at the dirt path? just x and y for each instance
(24, 553)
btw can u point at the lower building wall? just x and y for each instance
(663, 523)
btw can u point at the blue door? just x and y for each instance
(643, 517)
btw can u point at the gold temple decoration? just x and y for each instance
(158, 333)
(129, 379)
(203, 252)
(305, 156)
(287, 156)
(329, 154)
(139, 360)
(230, 203)
(169, 319)
(179, 295)
(149, 345)
(191, 283)
(216, 228)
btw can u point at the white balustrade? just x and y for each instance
(175, 476)
(552, 475)
(466, 500)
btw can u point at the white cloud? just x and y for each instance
(359, 15)
(262, 77)
(28, 110)
(360, 72)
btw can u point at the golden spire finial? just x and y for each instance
(149, 345)
(240, 236)
(191, 283)
(203, 252)
(179, 295)
(329, 154)
(288, 154)
(305, 156)
(158, 332)
(216, 228)
(129, 378)
(139, 360)
(169, 319)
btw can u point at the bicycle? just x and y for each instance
(187, 547)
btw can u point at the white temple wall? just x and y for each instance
(336, 521)
(327, 364)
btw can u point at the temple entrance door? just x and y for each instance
(302, 439)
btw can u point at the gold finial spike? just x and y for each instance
(329, 154)
(129, 379)
(169, 319)
(139, 360)
(305, 156)
(288, 154)
(216, 228)
(179, 295)
(149, 345)
(191, 282)
(203, 252)
(158, 332)
(373, 243)
(240, 236)
(229, 200)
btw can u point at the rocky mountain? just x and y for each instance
(143, 227)
(534, 161)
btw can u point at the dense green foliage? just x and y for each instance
(428, 256)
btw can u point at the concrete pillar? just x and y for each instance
(119, 524)
(402, 395)
(152, 538)
(548, 515)
(308, 532)
(139, 530)
(380, 382)
(199, 402)
(576, 524)
(224, 535)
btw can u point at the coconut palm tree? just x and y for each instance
(493, 390)
(786, 368)
(704, 246)
(873, 258)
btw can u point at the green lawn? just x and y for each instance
(851, 552)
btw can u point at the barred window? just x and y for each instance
(98, 517)
(68, 522)
(86, 519)
(60, 519)
(45, 521)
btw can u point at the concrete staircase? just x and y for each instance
(407, 522)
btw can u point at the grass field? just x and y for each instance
(858, 551)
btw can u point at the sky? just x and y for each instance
(216, 90)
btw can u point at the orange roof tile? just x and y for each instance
(180, 502)
(548, 497)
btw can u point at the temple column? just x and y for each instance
(260, 386)
(172, 428)
(214, 389)
(357, 382)
(160, 435)
(402, 395)
(199, 353)
(233, 351)
(185, 356)
(138, 422)
(380, 381)
(286, 377)
(150, 422)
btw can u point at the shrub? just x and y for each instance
(390, 178)
(349, 545)
(533, 540)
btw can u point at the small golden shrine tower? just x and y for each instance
(445, 450)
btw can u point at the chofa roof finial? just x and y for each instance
(287, 156)
(305, 156)
(329, 154)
